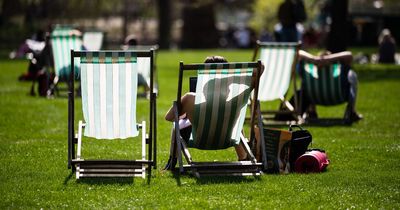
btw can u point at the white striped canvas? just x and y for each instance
(109, 99)
(62, 44)
(275, 80)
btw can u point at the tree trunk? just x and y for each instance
(337, 38)
(199, 29)
(164, 23)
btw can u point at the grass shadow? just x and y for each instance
(100, 180)
(327, 122)
(107, 181)
(370, 75)
(225, 179)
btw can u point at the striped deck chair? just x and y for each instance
(279, 61)
(146, 68)
(63, 40)
(93, 40)
(327, 85)
(109, 93)
(222, 93)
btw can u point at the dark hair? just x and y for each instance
(215, 59)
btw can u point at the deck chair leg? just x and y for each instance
(186, 152)
(143, 148)
(262, 143)
(172, 152)
(247, 148)
(79, 149)
(179, 150)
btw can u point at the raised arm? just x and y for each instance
(345, 57)
(305, 56)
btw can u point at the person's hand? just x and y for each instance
(75, 33)
(321, 61)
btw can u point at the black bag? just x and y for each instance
(299, 144)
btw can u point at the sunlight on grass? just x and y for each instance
(363, 174)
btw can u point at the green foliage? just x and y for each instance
(363, 173)
(265, 14)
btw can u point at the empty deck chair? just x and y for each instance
(279, 61)
(93, 40)
(222, 92)
(63, 40)
(145, 69)
(109, 93)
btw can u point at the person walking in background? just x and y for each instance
(387, 47)
(290, 13)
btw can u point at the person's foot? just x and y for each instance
(312, 115)
(354, 117)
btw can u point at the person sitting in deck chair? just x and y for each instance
(325, 59)
(186, 117)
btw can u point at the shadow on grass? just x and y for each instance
(321, 122)
(102, 180)
(327, 122)
(205, 180)
(370, 75)
(107, 181)
(226, 179)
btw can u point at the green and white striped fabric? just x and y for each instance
(62, 42)
(222, 92)
(325, 86)
(278, 61)
(109, 92)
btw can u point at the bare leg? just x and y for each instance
(241, 152)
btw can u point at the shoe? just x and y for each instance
(312, 115)
(354, 117)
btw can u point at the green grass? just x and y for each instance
(364, 172)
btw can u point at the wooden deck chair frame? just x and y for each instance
(61, 59)
(325, 90)
(237, 168)
(289, 108)
(111, 168)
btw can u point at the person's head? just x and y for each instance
(215, 59)
(130, 40)
(385, 35)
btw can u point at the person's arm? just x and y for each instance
(305, 56)
(345, 57)
(187, 102)
(170, 114)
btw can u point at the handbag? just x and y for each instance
(299, 143)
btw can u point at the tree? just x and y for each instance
(337, 37)
(164, 23)
(265, 14)
(199, 30)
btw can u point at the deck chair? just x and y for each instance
(93, 40)
(63, 40)
(327, 85)
(279, 61)
(222, 93)
(109, 88)
(146, 68)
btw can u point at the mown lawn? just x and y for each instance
(364, 172)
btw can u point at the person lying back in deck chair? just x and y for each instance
(325, 59)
